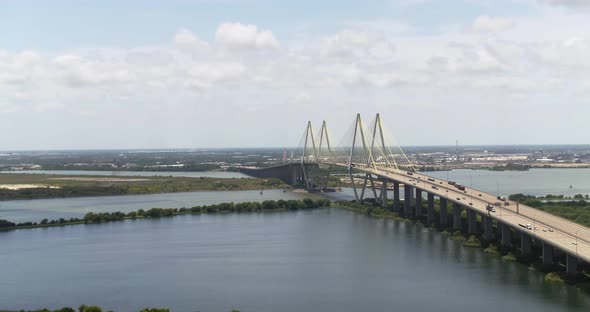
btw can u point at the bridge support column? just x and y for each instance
(506, 239)
(443, 212)
(396, 197)
(430, 212)
(384, 193)
(488, 228)
(457, 209)
(547, 254)
(408, 190)
(471, 221)
(571, 266)
(418, 212)
(525, 244)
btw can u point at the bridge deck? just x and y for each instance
(568, 236)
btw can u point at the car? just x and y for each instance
(470, 204)
(463, 197)
(409, 173)
(458, 198)
(550, 230)
(493, 209)
(441, 183)
(479, 195)
(529, 227)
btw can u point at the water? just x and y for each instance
(38, 209)
(532, 182)
(320, 260)
(210, 174)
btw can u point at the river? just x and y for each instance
(535, 181)
(318, 260)
(55, 208)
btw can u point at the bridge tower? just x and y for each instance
(308, 138)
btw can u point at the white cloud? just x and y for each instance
(486, 24)
(184, 38)
(333, 73)
(575, 4)
(236, 35)
(206, 75)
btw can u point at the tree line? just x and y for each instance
(102, 217)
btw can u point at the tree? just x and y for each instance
(84, 308)
(6, 224)
(44, 221)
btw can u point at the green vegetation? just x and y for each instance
(103, 217)
(458, 236)
(372, 209)
(85, 308)
(473, 242)
(509, 257)
(75, 186)
(553, 277)
(511, 167)
(576, 209)
(492, 249)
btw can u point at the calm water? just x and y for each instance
(321, 260)
(532, 182)
(211, 174)
(38, 209)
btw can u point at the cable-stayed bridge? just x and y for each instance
(375, 163)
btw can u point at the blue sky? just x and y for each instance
(59, 24)
(151, 74)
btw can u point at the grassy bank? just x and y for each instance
(35, 186)
(576, 208)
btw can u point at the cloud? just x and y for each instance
(236, 35)
(184, 38)
(77, 71)
(574, 4)
(205, 76)
(487, 24)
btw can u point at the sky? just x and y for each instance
(250, 73)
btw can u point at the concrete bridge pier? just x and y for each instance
(547, 254)
(471, 221)
(488, 228)
(418, 207)
(384, 193)
(525, 244)
(408, 190)
(457, 209)
(443, 211)
(506, 239)
(571, 266)
(396, 197)
(430, 212)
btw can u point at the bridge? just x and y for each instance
(375, 163)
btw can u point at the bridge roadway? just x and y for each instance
(571, 238)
